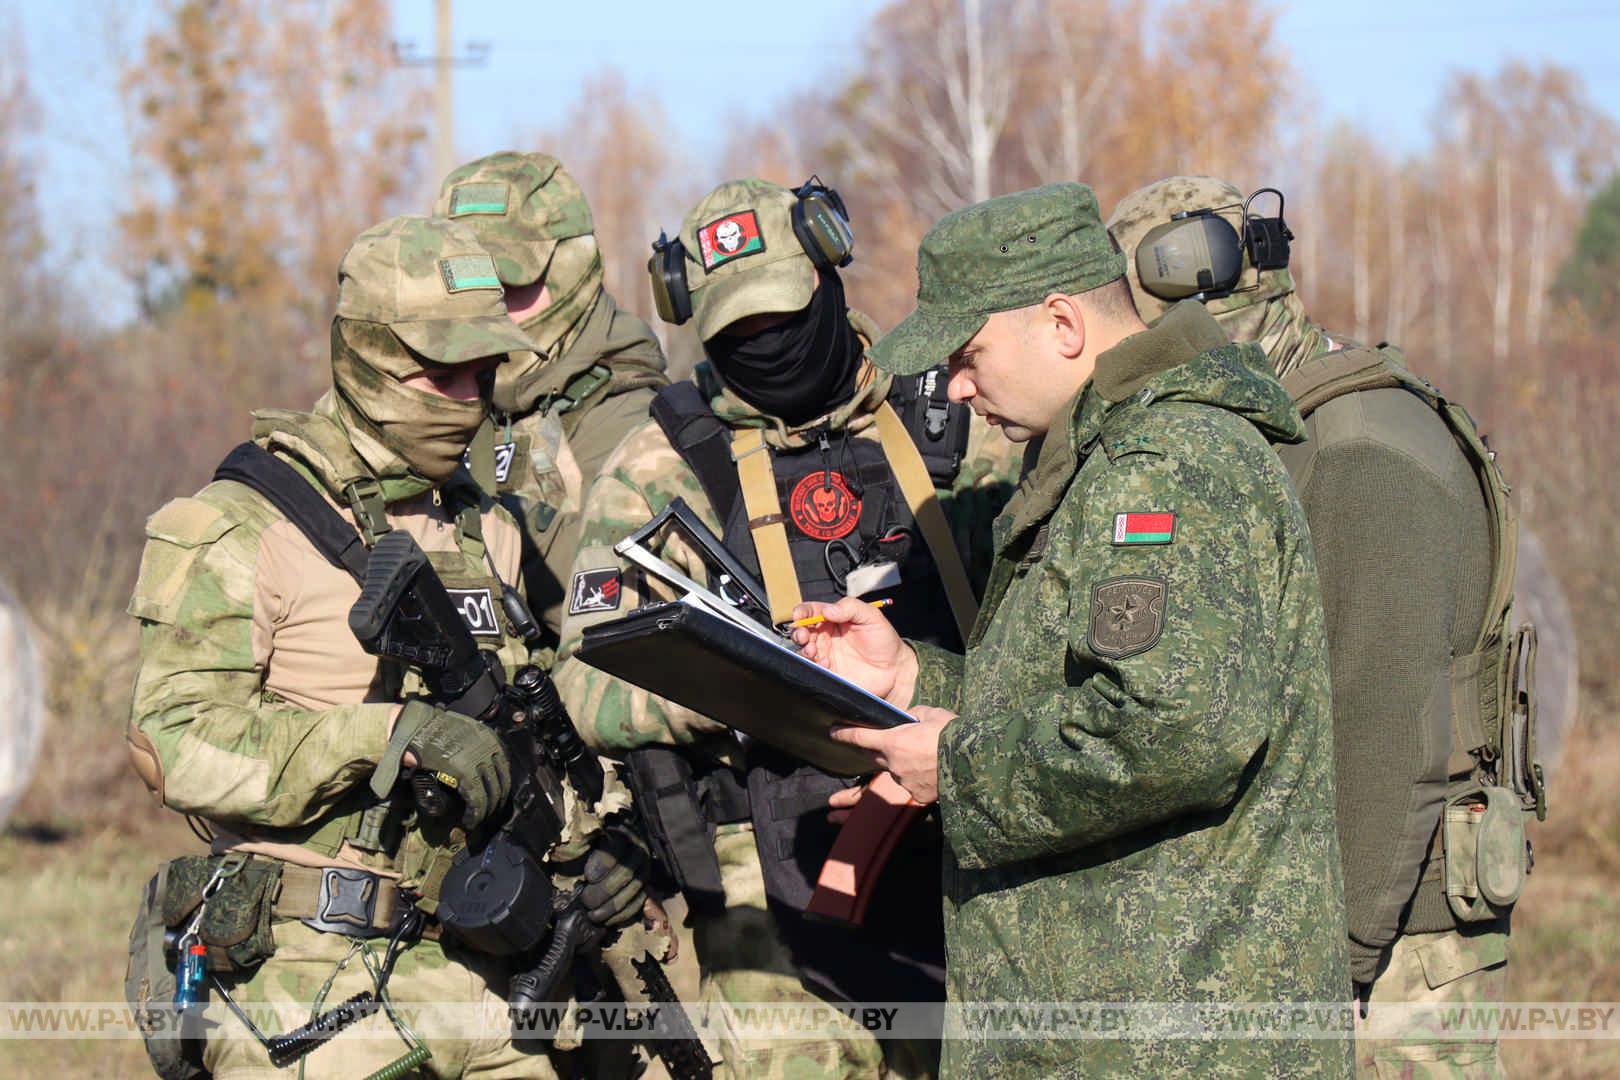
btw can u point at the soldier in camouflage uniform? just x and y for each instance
(791, 362)
(1404, 537)
(1133, 760)
(256, 710)
(590, 372)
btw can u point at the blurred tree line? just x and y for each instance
(265, 135)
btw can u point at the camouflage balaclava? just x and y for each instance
(414, 292)
(1270, 315)
(528, 212)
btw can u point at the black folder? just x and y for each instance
(709, 664)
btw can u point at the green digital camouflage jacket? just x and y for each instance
(549, 452)
(254, 706)
(645, 474)
(1137, 795)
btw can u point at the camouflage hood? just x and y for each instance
(333, 454)
(574, 278)
(855, 415)
(609, 336)
(1278, 325)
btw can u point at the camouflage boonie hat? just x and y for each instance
(742, 256)
(1146, 208)
(429, 282)
(519, 206)
(998, 255)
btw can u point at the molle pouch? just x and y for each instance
(174, 1049)
(1487, 857)
(1519, 768)
(236, 923)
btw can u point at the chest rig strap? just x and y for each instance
(766, 522)
(918, 488)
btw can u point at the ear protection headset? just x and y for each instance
(1198, 254)
(819, 221)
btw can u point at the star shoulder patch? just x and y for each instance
(594, 590)
(1127, 616)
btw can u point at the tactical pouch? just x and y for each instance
(1487, 857)
(680, 811)
(1519, 768)
(149, 989)
(236, 923)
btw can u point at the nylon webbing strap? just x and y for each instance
(302, 505)
(918, 488)
(765, 522)
(702, 440)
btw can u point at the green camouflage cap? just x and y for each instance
(998, 255)
(429, 282)
(519, 206)
(742, 256)
(1144, 209)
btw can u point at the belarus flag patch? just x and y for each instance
(731, 237)
(1150, 528)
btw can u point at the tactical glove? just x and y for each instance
(459, 752)
(615, 880)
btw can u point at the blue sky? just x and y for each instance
(1380, 63)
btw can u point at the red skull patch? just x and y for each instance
(823, 506)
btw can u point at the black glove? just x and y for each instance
(459, 752)
(615, 880)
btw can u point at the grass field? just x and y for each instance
(86, 838)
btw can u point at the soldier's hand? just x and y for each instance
(856, 642)
(460, 752)
(910, 752)
(615, 878)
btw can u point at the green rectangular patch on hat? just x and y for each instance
(479, 198)
(463, 272)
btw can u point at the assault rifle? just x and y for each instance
(496, 895)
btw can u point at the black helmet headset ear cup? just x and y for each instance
(667, 268)
(822, 225)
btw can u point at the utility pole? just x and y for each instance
(444, 60)
(444, 111)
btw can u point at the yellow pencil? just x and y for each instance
(817, 620)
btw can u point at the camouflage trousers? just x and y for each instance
(425, 973)
(1453, 967)
(743, 959)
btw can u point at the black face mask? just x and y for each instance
(799, 369)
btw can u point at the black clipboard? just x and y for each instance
(695, 658)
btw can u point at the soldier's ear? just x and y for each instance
(1067, 323)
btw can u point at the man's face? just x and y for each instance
(459, 382)
(1012, 374)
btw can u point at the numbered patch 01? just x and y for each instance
(477, 607)
(594, 590)
(1127, 616)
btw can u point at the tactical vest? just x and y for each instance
(815, 523)
(361, 820)
(1496, 780)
